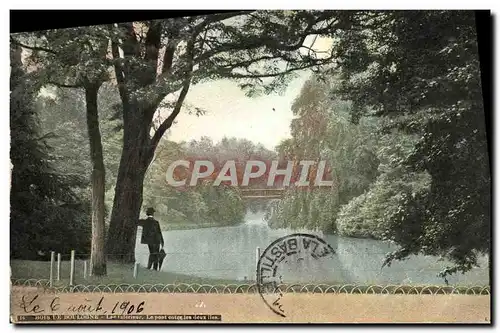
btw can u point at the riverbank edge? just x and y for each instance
(174, 227)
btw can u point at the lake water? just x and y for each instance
(230, 253)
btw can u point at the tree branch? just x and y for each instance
(257, 42)
(167, 123)
(153, 42)
(266, 75)
(120, 77)
(168, 57)
(61, 85)
(217, 18)
(34, 48)
(130, 44)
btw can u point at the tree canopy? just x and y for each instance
(45, 204)
(421, 69)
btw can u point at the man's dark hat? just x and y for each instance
(150, 211)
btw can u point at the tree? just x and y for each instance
(420, 70)
(322, 131)
(63, 121)
(156, 59)
(78, 56)
(46, 212)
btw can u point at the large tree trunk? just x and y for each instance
(135, 159)
(138, 146)
(97, 254)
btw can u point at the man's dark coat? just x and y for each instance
(151, 231)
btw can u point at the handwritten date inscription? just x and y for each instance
(32, 305)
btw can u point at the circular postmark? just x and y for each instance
(286, 252)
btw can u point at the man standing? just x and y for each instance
(152, 236)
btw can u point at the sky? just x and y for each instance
(232, 114)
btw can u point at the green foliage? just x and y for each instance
(372, 214)
(369, 214)
(47, 214)
(63, 123)
(310, 210)
(67, 57)
(420, 70)
(322, 131)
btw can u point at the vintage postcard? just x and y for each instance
(309, 166)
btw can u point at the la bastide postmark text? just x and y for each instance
(279, 254)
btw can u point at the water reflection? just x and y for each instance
(229, 253)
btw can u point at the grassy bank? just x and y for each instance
(123, 274)
(116, 273)
(119, 274)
